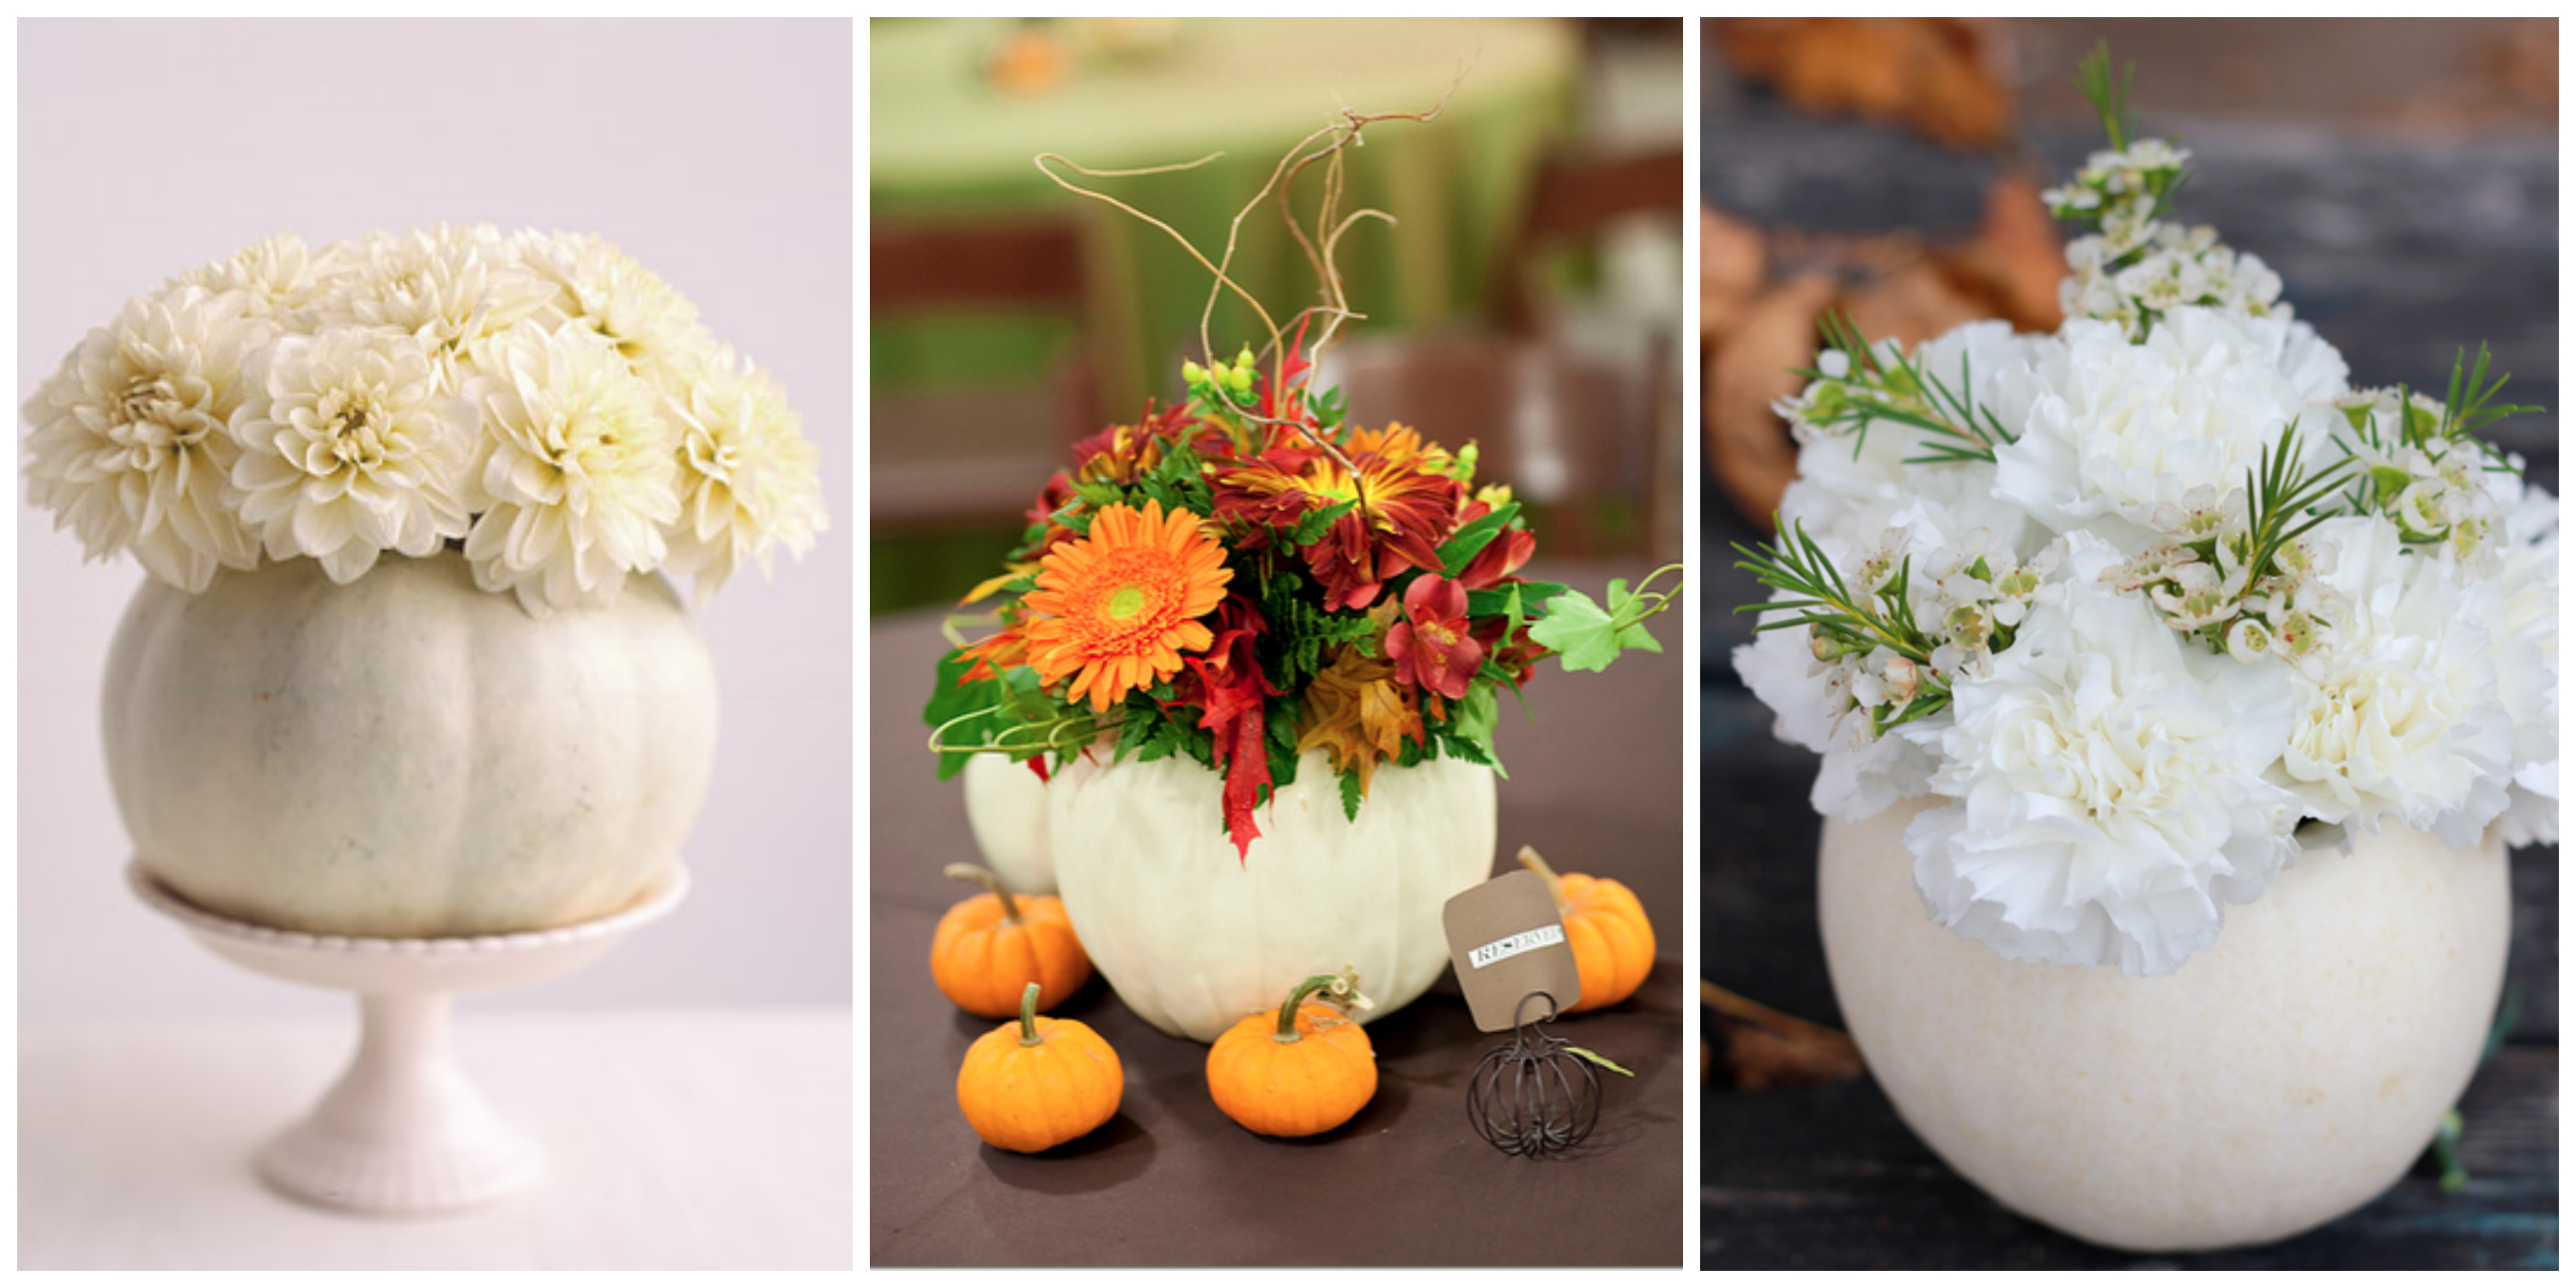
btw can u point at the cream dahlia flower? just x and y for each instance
(131, 448)
(2107, 790)
(606, 290)
(748, 481)
(453, 289)
(280, 279)
(577, 480)
(349, 449)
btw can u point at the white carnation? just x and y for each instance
(131, 446)
(2107, 789)
(2406, 725)
(349, 449)
(2115, 430)
(578, 477)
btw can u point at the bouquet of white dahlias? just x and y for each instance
(2137, 600)
(540, 399)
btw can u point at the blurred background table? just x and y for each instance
(1596, 786)
(1009, 317)
(2408, 212)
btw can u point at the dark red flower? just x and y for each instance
(1433, 646)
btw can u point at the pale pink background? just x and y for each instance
(719, 153)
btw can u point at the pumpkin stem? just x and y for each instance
(1343, 984)
(1029, 1016)
(1555, 883)
(986, 879)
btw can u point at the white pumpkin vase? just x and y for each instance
(406, 755)
(1194, 937)
(1006, 809)
(2278, 1080)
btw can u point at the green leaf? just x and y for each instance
(1351, 794)
(1468, 542)
(950, 699)
(1582, 635)
(1496, 600)
(1599, 1059)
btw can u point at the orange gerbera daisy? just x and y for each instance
(1116, 609)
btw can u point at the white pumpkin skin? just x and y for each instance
(1194, 939)
(1006, 809)
(406, 755)
(2281, 1078)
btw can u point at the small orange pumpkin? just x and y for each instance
(1614, 945)
(990, 945)
(1304, 1070)
(1036, 1082)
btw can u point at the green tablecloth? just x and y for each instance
(943, 145)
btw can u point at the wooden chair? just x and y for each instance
(972, 459)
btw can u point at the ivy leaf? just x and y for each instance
(1583, 636)
(949, 700)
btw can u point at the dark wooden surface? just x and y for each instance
(1596, 784)
(2397, 251)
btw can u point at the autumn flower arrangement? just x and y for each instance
(1249, 575)
(2136, 601)
(540, 401)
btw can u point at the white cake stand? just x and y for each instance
(402, 1132)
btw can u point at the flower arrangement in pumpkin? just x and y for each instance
(2136, 601)
(1247, 576)
(540, 401)
(1250, 574)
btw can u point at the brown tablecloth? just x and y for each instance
(1596, 785)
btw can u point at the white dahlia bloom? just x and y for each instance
(2107, 788)
(2406, 725)
(606, 290)
(131, 446)
(2116, 430)
(453, 289)
(577, 480)
(279, 279)
(349, 450)
(748, 481)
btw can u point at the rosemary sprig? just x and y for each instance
(1901, 390)
(2110, 98)
(2279, 491)
(1848, 623)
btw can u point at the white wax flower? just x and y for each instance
(349, 450)
(749, 482)
(131, 447)
(2107, 789)
(578, 480)
(2406, 725)
(2116, 430)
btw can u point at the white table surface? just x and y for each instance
(674, 1140)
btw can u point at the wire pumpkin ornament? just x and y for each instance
(1538, 1094)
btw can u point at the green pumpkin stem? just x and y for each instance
(1029, 1016)
(985, 878)
(1555, 883)
(1288, 1009)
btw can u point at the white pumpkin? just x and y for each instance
(406, 755)
(2276, 1081)
(1006, 809)
(1195, 938)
